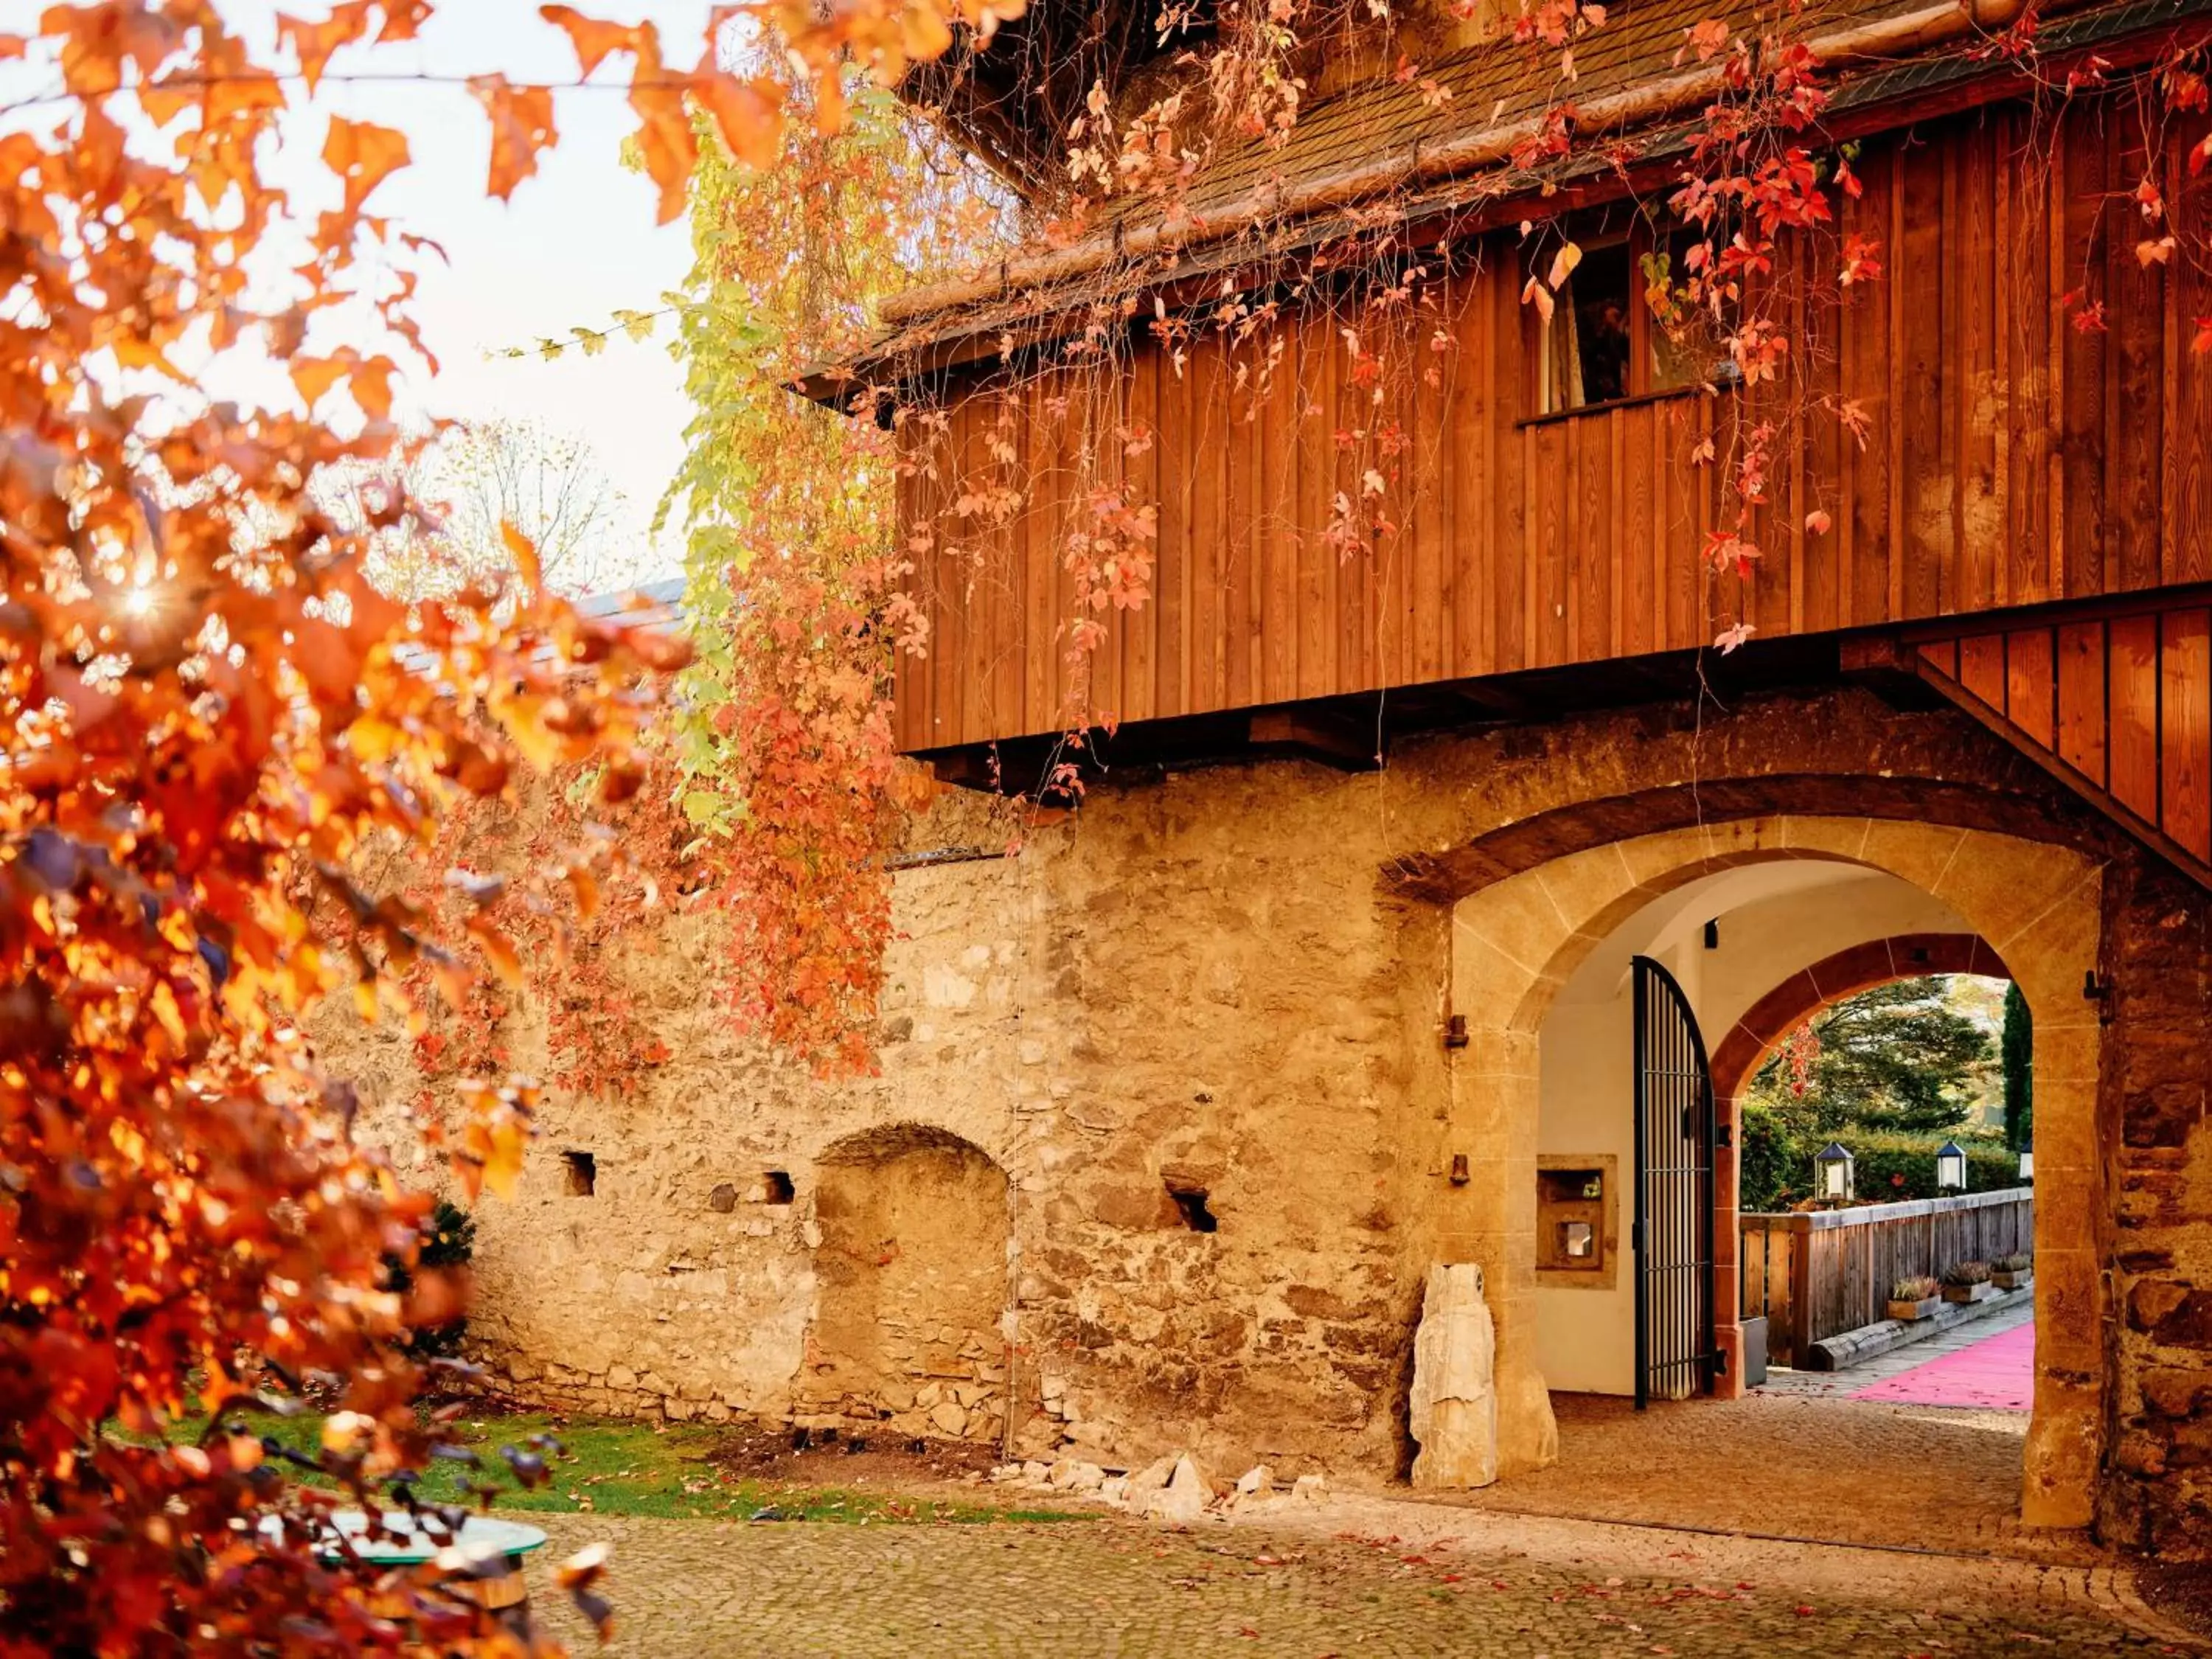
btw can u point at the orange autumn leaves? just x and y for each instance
(212, 719)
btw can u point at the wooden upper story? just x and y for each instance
(1392, 473)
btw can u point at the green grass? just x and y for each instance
(619, 1467)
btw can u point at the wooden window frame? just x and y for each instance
(1642, 239)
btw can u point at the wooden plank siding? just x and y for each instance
(2008, 458)
(2116, 705)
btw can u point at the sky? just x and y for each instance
(576, 242)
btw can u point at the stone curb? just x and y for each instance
(1848, 1348)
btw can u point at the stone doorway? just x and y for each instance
(911, 1274)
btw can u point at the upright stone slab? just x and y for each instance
(1454, 1409)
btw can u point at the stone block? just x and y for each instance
(1154, 1475)
(1070, 1475)
(949, 1419)
(1183, 1499)
(1453, 1413)
(2176, 1393)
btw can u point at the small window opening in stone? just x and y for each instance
(776, 1187)
(582, 1173)
(1191, 1202)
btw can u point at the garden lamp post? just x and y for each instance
(1833, 1164)
(2027, 1165)
(1950, 1168)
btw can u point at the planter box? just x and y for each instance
(1968, 1294)
(1924, 1309)
(2019, 1281)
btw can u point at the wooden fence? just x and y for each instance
(1820, 1273)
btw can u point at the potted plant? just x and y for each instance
(1915, 1297)
(1968, 1282)
(2015, 1272)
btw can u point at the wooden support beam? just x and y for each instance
(1327, 739)
(1889, 668)
(967, 768)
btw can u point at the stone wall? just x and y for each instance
(2159, 977)
(1222, 994)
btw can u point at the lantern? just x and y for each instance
(1832, 1167)
(1950, 1168)
(2027, 1165)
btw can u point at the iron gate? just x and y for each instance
(1673, 1233)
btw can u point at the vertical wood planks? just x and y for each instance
(1311, 465)
(1510, 526)
(2011, 457)
(1240, 538)
(2190, 498)
(1972, 287)
(1982, 668)
(2030, 680)
(2086, 382)
(2185, 728)
(2134, 439)
(1926, 482)
(2133, 689)
(1427, 463)
(1209, 432)
(1868, 344)
(2081, 709)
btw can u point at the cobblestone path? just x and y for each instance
(1787, 1464)
(1107, 1585)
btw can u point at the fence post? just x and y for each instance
(1800, 1290)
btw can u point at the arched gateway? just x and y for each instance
(1538, 956)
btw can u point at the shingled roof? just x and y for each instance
(1402, 150)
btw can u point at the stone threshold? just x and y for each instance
(1855, 1347)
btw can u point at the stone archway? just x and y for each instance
(1519, 934)
(911, 1276)
(1738, 1055)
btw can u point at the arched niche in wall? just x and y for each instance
(911, 1271)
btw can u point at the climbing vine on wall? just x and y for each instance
(793, 578)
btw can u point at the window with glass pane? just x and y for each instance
(1623, 325)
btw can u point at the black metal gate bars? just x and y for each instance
(1673, 1232)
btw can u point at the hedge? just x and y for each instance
(1777, 1169)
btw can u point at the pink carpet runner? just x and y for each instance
(1998, 1372)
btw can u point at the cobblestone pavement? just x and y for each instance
(1358, 1576)
(1791, 1465)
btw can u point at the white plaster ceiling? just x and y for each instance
(1792, 911)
